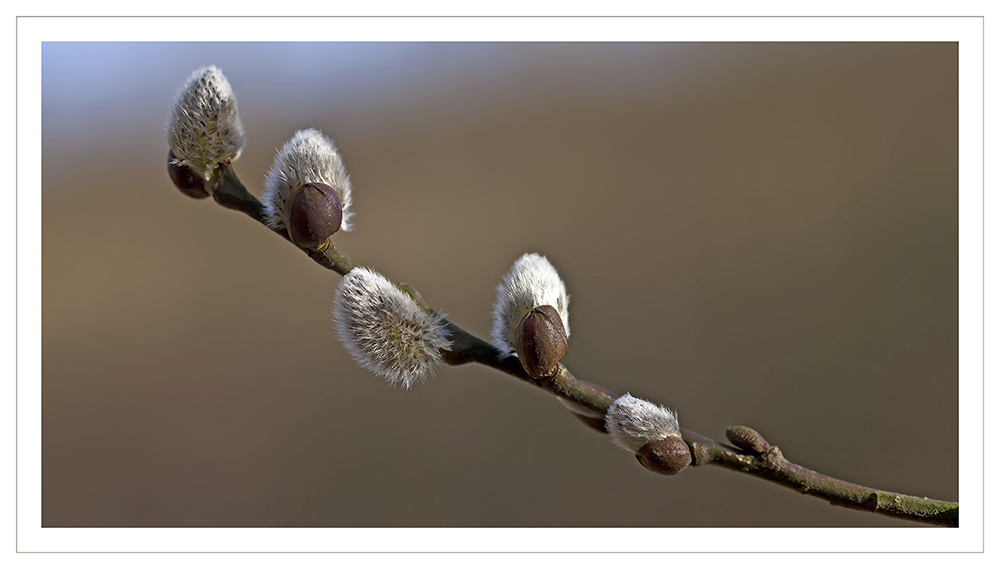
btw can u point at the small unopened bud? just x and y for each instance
(540, 341)
(748, 439)
(649, 431)
(313, 215)
(204, 128)
(385, 330)
(309, 159)
(668, 456)
(532, 282)
(184, 178)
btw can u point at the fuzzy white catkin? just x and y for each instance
(530, 283)
(309, 157)
(204, 128)
(385, 331)
(634, 422)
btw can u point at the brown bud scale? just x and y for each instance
(667, 456)
(747, 439)
(540, 341)
(312, 215)
(184, 178)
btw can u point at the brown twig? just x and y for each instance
(752, 454)
(755, 456)
(758, 458)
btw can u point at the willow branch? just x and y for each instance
(755, 456)
(751, 454)
(759, 458)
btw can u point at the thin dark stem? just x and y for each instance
(590, 401)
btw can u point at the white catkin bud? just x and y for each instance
(634, 422)
(309, 157)
(204, 127)
(530, 283)
(385, 331)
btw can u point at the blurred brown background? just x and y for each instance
(760, 234)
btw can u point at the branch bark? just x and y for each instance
(751, 454)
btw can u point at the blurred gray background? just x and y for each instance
(759, 234)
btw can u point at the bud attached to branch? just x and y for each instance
(204, 128)
(668, 456)
(540, 340)
(531, 283)
(312, 215)
(649, 431)
(748, 439)
(385, 331)
(308, 191)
